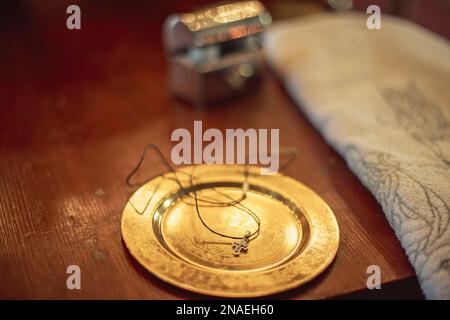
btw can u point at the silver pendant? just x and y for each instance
(241, 245)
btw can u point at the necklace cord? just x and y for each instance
(237, 203)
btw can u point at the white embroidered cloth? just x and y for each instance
(381, 98)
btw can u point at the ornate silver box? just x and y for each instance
(215, 53)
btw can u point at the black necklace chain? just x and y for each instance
(193, 194)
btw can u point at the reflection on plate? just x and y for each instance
(298, 239)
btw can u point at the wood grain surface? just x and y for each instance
(78, 107)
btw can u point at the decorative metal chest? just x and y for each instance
(215, 53)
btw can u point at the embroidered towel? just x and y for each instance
(381, 98)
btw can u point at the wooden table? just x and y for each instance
(78, 107)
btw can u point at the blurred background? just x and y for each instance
(123, 39)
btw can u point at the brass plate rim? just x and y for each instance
(325, 261)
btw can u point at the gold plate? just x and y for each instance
(298, 239)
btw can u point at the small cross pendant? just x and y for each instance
(241, 245)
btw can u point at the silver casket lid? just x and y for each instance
(214, 25)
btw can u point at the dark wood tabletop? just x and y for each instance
(76, 110)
